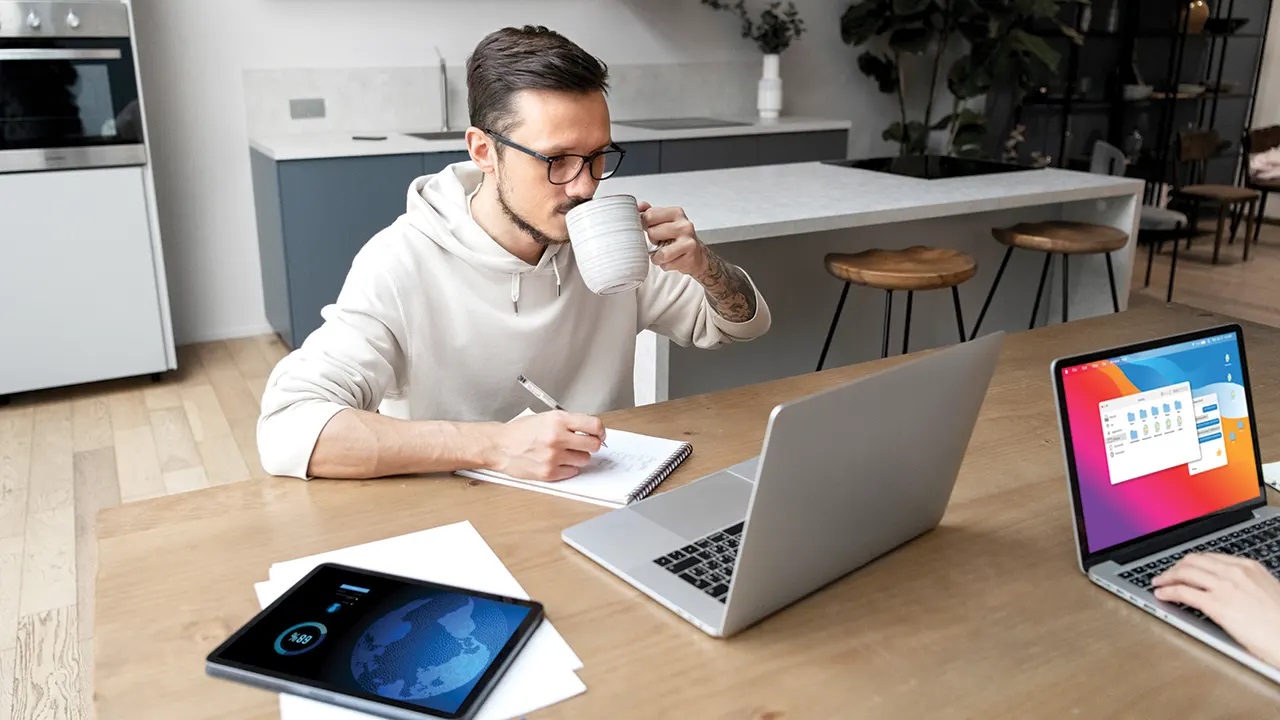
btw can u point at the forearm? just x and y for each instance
(358, 444)
(728, 288)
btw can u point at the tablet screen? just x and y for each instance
(380, 637)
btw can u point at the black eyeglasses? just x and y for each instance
(563, 169)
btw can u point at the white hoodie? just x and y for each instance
(436, 320)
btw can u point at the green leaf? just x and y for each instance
(909, 7)
(1036, 46)
(861, 21)
(943, 122)
(917, 138)
(967, 79)
(881, 69)
(972, 135)
(894, 133)
(911, 40)
(1036, 9)
(1071, 33)
(969, 117)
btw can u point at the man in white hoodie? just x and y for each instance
(476, 284)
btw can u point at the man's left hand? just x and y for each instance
(679, 249)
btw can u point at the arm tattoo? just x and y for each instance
(729, 290)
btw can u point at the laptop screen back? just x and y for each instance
(1159, 438)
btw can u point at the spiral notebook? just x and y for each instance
(622, 473)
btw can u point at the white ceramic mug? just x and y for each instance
(610, 244)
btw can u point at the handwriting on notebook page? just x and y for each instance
(619, 461)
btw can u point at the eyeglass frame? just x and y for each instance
(549, 159)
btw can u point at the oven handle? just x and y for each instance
(46, 54)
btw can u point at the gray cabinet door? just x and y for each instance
(330, 209)
(708, 153)
(433, 163)
(803, 147)
(643, 158)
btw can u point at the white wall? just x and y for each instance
(1267, 110)
(194, 53)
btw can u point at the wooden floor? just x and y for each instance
(1250, 291)
(64, 454)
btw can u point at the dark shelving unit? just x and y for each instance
(1149, 43)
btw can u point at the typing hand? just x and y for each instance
(550, 446)
(1238, 594)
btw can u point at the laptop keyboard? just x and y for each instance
(1259, 542)
(706, 563)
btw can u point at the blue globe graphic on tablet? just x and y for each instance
(428, 647)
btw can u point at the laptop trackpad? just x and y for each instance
(702, 506)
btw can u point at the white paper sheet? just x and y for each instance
(541, 675)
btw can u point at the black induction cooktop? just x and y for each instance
(930, 167)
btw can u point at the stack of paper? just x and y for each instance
(544, 673)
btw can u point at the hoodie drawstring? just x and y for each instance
(515, 285)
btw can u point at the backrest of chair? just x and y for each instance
(1107, 159)
(1194, 148)
(1197, 145)
(1261, 139)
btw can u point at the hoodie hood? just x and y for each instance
(438, 208)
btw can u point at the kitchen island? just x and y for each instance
(320, 196)
(778, 222)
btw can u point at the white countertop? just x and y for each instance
(777, 200)
(309, 146)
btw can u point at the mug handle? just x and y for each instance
(649, 245)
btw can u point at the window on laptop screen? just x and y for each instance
(1160, 437)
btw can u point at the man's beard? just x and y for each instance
(527, 227)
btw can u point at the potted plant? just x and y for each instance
(773, 32)
(995, 43)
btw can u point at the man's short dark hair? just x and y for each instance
(528, 58)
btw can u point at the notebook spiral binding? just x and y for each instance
(657, 476)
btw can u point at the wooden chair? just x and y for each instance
(1156, 225)
(1253, 142)
(912, 269)
(1194, 150)
(1055, 238)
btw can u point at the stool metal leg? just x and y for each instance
(1044, 273)
(991, 293)
(834, 321)
(1151, 256)
(1065, 281)
(1173, 268)
(955, 298)
(906, 326)
(888, 312)
(1111, 276)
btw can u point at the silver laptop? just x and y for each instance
(1162, 460)
(844, 476)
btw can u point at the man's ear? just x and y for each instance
(482, 150)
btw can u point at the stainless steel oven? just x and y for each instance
(69, 93)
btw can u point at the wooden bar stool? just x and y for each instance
(1056, 238)
(912, 269)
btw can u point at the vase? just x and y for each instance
(1194, 15)
(769, 90)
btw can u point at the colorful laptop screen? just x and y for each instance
(1160, 437)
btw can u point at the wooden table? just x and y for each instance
(987, 616)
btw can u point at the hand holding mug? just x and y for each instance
(679, 249)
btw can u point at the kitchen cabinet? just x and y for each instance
(717, 153)
(643, 158)
(709, 153)
(314, 215)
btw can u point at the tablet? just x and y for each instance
(380, 644)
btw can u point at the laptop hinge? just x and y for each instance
(1177, 537)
